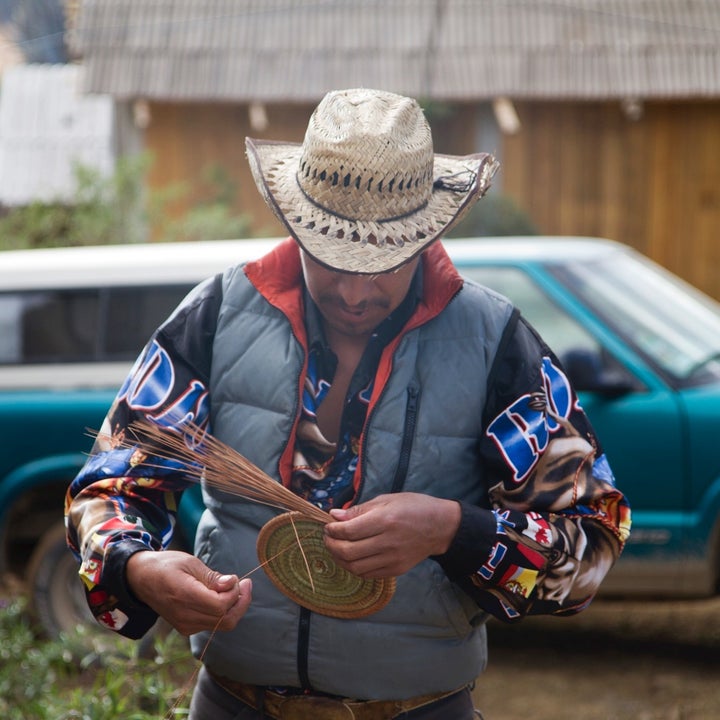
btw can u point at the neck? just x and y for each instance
(348, 350)
(346, 346)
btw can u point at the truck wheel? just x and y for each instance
(57, 598)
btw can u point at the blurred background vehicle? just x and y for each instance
(641, 346)
(72, 321)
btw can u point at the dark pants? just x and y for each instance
(211, 702)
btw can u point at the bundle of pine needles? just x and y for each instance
(332, 591)
(204, 457)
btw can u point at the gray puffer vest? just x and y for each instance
(421, 436)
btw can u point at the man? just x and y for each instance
(354, 365)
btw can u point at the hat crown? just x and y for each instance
(367, 155)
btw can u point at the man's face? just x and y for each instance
(352, 304)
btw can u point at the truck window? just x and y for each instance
(82, 325)
(133, 314)
(44, 326)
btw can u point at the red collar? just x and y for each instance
(278, 277)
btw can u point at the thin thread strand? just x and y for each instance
(193, 676)
(302, 552)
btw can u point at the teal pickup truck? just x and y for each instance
(642, 348)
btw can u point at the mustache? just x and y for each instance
(334, 299)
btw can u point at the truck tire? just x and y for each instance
(56, 595)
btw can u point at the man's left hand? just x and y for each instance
(390, 534)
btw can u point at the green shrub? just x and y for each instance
(117, 209)
(88, 676)
(103, 210)
(210, 218)
(494, 215)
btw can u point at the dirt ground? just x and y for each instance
(619, 660)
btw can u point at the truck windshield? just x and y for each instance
(674, 325)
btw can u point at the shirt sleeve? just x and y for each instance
(124, 501)
(555, 522)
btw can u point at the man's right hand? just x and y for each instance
(187, 593)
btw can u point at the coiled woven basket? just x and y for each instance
(293, 554)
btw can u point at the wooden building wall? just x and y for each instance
(186, 139)
(652, 183)
(575, 168)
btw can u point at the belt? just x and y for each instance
(319, 707)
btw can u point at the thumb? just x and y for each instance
(345, 513)
(357, 510)
(218, 582)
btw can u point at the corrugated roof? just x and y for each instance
(47, 125)
(246, 50)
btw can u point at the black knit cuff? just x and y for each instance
(472, 543)
(114, 578)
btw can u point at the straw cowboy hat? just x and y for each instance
(365, 193)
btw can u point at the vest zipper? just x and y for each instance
(407, 439)
(303, 640)
(303, 646)
(411, 409)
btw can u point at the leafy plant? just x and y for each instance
(210, 218)
(118, 209)
(494, 215)
(83, 677)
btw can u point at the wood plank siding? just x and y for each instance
(578, 165)
(187, 139)
(575, 168)
(654, 183)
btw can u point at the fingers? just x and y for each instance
(359, 521)
(219, 604)
(213, 580)
(189, 595)
(390, 534)
(213, 610)
(347, 513)
(241, 605)
(236, 602)
(378, 565)
(370, 558)
(363, 548)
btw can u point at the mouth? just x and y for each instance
(357, 310)
(351, 314)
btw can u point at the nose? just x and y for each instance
(354, 289)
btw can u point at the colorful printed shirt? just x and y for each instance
(513, 560)
(323, 471)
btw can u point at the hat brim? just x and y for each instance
(459, 182)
